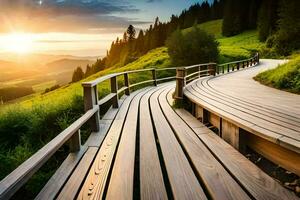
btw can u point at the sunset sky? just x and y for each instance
(76, 27)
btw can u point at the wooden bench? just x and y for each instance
(272, 131)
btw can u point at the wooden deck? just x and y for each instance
(271, 115)
(144, 148)
(152, 151)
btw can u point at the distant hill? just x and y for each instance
(40, 59)
(66, 65)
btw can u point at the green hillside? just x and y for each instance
(285, 77)
(232, 48)
(235, 47)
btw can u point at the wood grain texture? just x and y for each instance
(253, 179)
(121, 181)
(218, 182)
(151, 179)
(56, 182)
(96, 180)
(275, 153)
(183, 181)
(12, 182)
(266, 112)
(73, 184)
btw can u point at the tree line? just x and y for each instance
(277, 22)
(136, 43)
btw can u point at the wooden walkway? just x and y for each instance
(154, 152)
(144, 148)
(268, 113)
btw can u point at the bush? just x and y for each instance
(51, 88)
(192, 47)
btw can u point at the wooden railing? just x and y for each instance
(92, 104)
(15, 180)
(190, 73)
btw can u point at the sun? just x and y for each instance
(19, 43)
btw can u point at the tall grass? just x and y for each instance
(285, 77)
(28, 125)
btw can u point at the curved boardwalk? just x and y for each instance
(146, 149)
(152, 151)
(266, 112)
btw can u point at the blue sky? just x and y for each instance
(85, 15)
(77, 27)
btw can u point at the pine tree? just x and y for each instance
(267, 18)
(288, 37)
(77, 75)
(131, 33)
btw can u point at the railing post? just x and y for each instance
(154, 77)
(75, 142)
(90, 94)
(223, 70)
(212, 70)
(180, 83)
(127, 84)
(228, 68)
(238, 66)
(247, 63)
(114, 89)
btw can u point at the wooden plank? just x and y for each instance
(253, 179)
(247, 125)
(107, 98)
(183, 181)
(72, 186)
(218, 182)
(56, 182)
(215, 120)
(12, 182)
(274, 115)
(121, 181)
(96, 180)
(151, 187)
(230, 133)
(288, 159)
(247, 114)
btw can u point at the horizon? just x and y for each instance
(77, 28)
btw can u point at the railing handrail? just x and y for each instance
(12, 182)
(16, 179)
(182, 75)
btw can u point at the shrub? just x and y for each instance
(192, 47)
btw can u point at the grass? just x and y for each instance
(232, 48)
(28, 125)
(41, 87)
(284, 77)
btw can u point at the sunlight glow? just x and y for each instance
(19, 43)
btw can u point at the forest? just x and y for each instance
(277, 22)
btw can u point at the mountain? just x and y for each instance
(39, 59)
(66, 64)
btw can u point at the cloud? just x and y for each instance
(151, 1)
(65, 15)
